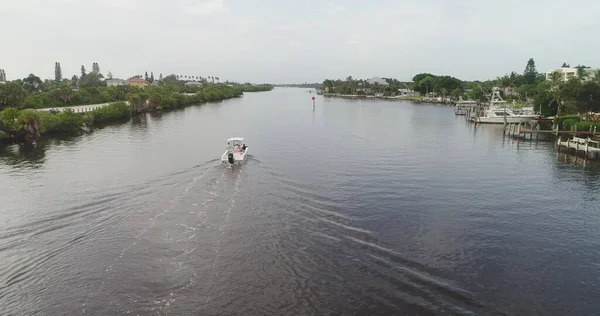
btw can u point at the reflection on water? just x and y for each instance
(356, 207)
(25, 155)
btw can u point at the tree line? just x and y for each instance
(580, 94)
(91, 88)
(29, 124)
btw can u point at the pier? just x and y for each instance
(529, 129)
(590, 148)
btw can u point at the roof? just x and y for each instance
(137, 80)
(235, 139)
(378, 80)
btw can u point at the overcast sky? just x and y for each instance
(284, 41)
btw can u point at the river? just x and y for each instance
(356, 207)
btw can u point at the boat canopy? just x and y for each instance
(235, 139)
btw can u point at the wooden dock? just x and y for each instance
(527, 129)
(589, 148)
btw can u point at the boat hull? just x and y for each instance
(236, 157)
(508, 120)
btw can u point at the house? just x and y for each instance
(510, 91)
(138, 82)
(377, 80)
(193, 83)
(408, 93)
(568, 73)
(115, 82)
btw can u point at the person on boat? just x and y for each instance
(244, 147)
(239, 148)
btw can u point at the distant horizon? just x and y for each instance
(157, 74)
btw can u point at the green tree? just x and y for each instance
(146, 76)
(109, 75)
(32, 83)
(418, 83)
(82, 71)
(596, 76)
(33, 101)
(151, 77)
(581, 73)
(544, 101)
(2, 75)
(160, 76)
(555, 89)
(57, 72)
(478, 93)
(64, 94)
(95, 68)
(90, 80)
(456, 93)
(427, 84)
(530, 74)
(588, 97)
(446, 82)
(73, 82)
(565, 65)
(11, 95)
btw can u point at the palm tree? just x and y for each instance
(597, 76)
(444, 92)
(556, 82)
(581, 73)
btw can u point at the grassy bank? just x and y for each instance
(29, 124)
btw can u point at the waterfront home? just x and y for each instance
(408, 93)
(568, 73)
(138, 82)
(377, 80)
(116, 82)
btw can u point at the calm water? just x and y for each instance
(355, 208)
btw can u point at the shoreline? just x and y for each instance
(69, 119)
(389, 98)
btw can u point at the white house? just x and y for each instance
(408, 93)
(377, 80)
(116, 82)
(193, 83)
(568, 73)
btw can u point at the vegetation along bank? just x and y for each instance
(19, 121)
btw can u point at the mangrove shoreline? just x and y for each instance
(29, 125)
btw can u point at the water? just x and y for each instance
(357, 207)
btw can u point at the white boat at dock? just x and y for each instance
(462, 106)
(236, 151)
(499, 113)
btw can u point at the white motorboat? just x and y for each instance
(236, 151)
(461, 107)
(499, 113)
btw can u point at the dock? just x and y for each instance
(590, 148)
(529, 129)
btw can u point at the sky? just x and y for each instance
(286, 41)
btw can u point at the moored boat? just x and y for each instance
(462, 107)
(499, 113)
